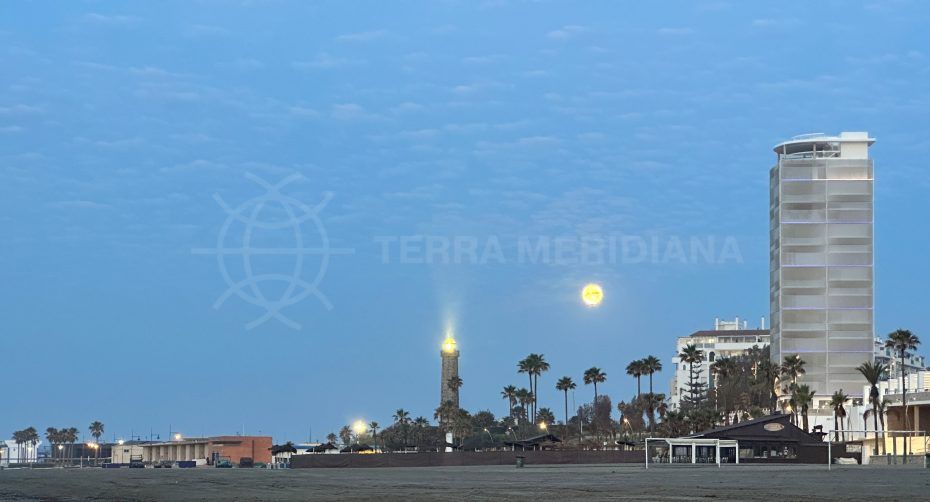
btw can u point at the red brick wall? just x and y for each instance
(257, 447)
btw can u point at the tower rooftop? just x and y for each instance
(820, 142)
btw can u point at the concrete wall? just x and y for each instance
(434, 459)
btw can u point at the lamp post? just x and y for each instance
(359, 428)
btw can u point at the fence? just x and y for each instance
(466, 458)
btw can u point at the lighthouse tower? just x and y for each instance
(450, 370)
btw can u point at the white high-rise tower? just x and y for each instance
(821, 227)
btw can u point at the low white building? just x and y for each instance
(727, 339)
(14, 453)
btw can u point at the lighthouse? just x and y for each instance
(450, 370)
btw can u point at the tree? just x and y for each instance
(594, 375)
(331, 438)
(873, 373)
(803, 397)
(726, 370)
(839, 413)
(635, 369)
(545, 416)
(692, 355)
(651, 365)
(96, 430)
(902, 341)
(374, 426)
(345, 435)
(455, 383)
(402, 419)
(565, 384)
(652, 402)
(510, 394)
(54, 437)
(524, 397)
(792, 368)
(483, 419)
(526, 366)
(534, 365)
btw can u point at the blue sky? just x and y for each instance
(120, 122)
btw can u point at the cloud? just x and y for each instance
(205, 30)
(566, 32)
(675, 31)
(199, 165)
(361, 37)
(324, 61)
(241, 64)
(80, 204)
(19, 109)
(351, 111)
(111, 20)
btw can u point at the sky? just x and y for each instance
(263, 216)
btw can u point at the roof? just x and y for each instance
(536, 440)
(800, 143)
(760, 429)
(731, 332)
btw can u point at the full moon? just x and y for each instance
(592, 295)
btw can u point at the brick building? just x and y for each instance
(207, 450)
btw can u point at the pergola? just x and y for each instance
(693, 444)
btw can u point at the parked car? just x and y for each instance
(223, 463)
(246, 462)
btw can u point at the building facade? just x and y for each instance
(208, 450)
(727, 339)
(821, 245)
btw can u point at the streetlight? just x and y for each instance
(543, 426)
(178, 436)
(359, 428)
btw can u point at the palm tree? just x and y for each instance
(594, 375)
(331, 438)
(635, 369)
(792, 367)
(53, 437)
(402, 418)
(545, 416)
(96, 430)
(374, 426)
(691, 355)
(510, 394)
(726, 369)
(652, 403)
(839, 412)
(902, 341)
(455, 383)
(526, 366)
(803, 397)
(524, 397)
(534, 365)
(873, 373)
(540, 366)
(565, 384)
(345, 435)
(651, 365)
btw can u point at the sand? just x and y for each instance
(624, 482)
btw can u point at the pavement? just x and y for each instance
(565, 482)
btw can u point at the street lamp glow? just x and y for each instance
(120, 442)
(543, 426)
(359, 427)
(61, 447)
(592, 295)
(177, 436)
